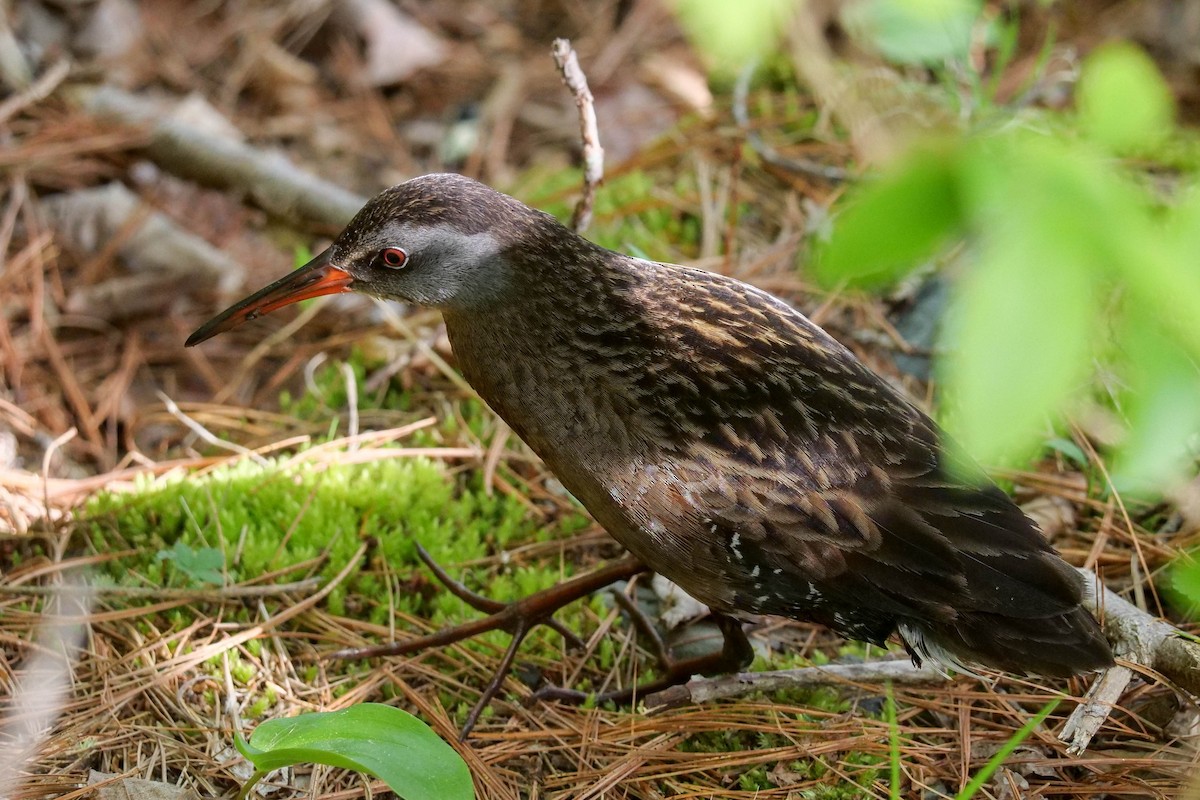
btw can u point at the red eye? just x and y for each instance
(393, 257)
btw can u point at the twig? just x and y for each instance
(593, 153)
(207, 435)
(47, 458)
(271, 180)
(703, 690)
(802, 166)
(351, 401)
(1139, 640)
(39, 90)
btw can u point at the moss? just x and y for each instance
(263, 518)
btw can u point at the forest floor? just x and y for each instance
(245, 508)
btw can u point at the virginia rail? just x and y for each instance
(724, 439)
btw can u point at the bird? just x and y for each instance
(718, 434)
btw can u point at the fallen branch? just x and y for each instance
(165, 259)
(271, 180)
(703, 690)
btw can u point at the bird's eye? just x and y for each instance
(393, 257)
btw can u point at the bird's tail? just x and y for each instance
(1062, 645)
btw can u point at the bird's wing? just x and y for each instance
(816, 489)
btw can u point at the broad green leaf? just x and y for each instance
(1161, 270)
(733, 34)
(895, 222)
(915, 31)
(1020, 332)
(1162, 406)
(380, 740)
(1123, 101)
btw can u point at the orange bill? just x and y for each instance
(317, 277)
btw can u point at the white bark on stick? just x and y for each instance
(593, 153)
(1140, 640)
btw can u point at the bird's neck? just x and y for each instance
(557, 360)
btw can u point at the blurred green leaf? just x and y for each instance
(915, 31)
(380, 740)
(1021, 327)
(894, 222)
(1161, 270)
(1123, 101)
(732, 34)
(1162, 407)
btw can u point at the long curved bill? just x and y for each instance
(317, 277)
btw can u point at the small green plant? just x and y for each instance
(997, 760)
(979, 778)
(198, 566)
(889, 713)
(380, 740)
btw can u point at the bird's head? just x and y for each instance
(439, 240)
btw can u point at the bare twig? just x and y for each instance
(207, 435)
(593, 153)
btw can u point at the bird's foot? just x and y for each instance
(518, 618)
(735, 654)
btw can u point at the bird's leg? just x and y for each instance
(536, 609)
(735, 654)
(518, 618)
(486, 604)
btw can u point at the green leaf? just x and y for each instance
(1069, 449)
(895, 222)
(1123, 101)
(199, 566)
(1160, 268)
(733, 34)
(889, 712)
(915, 31)
(380, 740)
(1161, 405)
(1024, 312)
